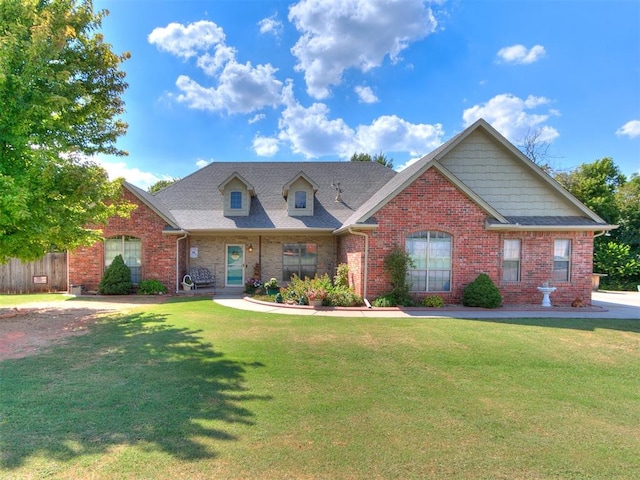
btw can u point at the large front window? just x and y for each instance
(131, 250)
(300, 259)
(431, 254)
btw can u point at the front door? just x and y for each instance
(235, 266)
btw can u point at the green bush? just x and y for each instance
(433, 301)
(482, 292)
(151, 287)
(341, 278)
(387, 300)
(116, 279)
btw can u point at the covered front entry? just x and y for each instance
(234, 271)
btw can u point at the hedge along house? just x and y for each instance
(474, 205)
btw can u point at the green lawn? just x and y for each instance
(189, 389)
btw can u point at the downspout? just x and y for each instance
(178, 261)
(366, 264)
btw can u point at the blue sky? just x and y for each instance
(308, 80)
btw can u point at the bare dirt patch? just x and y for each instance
(34, 327)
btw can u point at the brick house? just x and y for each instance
(474, 205)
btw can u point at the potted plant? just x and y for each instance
(316, 296)
(272, 286)
(187, 283)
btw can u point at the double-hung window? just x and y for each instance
(511, 262)
(431, 254)
(300, 259)
(131, 250)
(561, 260)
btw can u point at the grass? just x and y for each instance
(13, 300)
(190, 389)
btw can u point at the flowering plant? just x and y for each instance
(317, 294)
(272, 283)
(252, 285)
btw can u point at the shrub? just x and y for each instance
(387, 300)
(151, 287)
(116, 279)
(343, 297)
(433, 301)
(482, 293)
(341, 279)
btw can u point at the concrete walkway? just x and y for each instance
(619, 305)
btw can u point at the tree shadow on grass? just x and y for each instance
(132, 379)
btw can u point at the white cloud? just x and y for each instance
(630, 129)
(507, 113)
(271, 25)
(366, 95)
(340, 34)
(390, 133)
(211, 64)
(201, 162)
(311, 132)
(256, 118)
(265, 146)
(241, 89)
(132, 175)
(519, 54)
(186, 41)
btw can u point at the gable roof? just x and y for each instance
(590, 221)
(348, 194)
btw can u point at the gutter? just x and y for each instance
(366, 264)
(178, 260)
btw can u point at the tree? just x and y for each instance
(628, 201)
(535, 148)
(380, 158)
(60, 88)
(595, 184)
(160, 184)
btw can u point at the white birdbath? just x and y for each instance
(546, 301)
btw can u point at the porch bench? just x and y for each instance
(202, 277)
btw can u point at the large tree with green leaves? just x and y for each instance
(595, 184)
(60, 97)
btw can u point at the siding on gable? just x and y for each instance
(501, 180)
(236, 185)
(300, 185)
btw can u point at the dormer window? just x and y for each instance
(235, 202)
(237, 192)
(301, 199)
(299, 193)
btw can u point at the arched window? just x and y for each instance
(131, 250)
(431, 254)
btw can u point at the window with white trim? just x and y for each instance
(561, 260)
(301, 199)
(431, 254)
(235, 200)
(511, 261)
(131, 250)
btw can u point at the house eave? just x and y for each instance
(515, 227)
(260, 231)
(356, 226)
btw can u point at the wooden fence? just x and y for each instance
(48, 274)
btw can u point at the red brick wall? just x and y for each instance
(432, 203)
(86, 265)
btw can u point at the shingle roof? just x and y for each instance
(196, 203)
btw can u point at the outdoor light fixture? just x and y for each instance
(250, 248)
